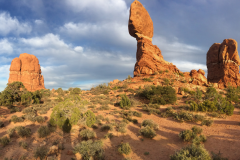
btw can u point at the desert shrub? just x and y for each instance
(121, 127)
(232, 94)
(135, 121)
(196, 130)
(108, 135)
(104, 107)
(90, 118)
(125, 102)
(207, 122)
(23, 131)
(147, 132)
(183, 116)
(26, 98)
(89, 149)
(107, 127)
(193, 106)
(40, 152)
(12, 93)
(211, 93)
(187, 135)
(147, 80)
(99, 117)
(16, 119)
(124, 148)
(75, 91)
(203, 138)
(87, 134)
(100, 89)
(191, 152)
(40, 119)
(150, 123)
(198, 94)
(67, 110)
(4, 141)
(43, 131)
(10, 132)
(207, 106)
(23, 144)
(160, 95)
(166, 81)
(198, 118)
(137, 114)
(59, 91)
(151, 110)
(36, 97)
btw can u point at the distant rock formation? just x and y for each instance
(198, 77)
(223, 64)
(26, 69)
(149, 57)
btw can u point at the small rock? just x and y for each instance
(53, 150)
(78, 156)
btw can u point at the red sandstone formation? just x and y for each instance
(223, 64)
(149, 57)
(198, 77)
(26, 69)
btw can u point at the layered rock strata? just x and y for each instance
(223, 64)
(149, 57)
(26, 69)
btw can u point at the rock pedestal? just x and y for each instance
(149, 57)
(26, 69)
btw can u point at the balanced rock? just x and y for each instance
(223, 63)
(149, 56)
(26, 69)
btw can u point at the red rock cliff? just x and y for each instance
(26, 69)
(223, 64)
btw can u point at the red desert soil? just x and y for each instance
(222, 136)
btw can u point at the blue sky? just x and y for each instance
(81, 43)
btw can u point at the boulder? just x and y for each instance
(149, 56)
(27, 70)
(223, 63)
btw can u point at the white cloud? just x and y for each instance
(11, 25)
(188, 66)
(5, 47)
(49, 40)
(78, 49)
(110, 7)
(38, 22)
(111, 33)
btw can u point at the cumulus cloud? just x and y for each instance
(5, 47)
(11, 25)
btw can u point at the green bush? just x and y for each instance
(198, 94)
(89, 149)
(196, 130)
(207, 106)
(10, 132)
(75, 91)
(124, 148)
(125, 102)
(90, 118)
(187, 135)
(192, 151)
(16, 119)
(108, 135)
(12, 93)
(43, 131)
(4, 141)
(23, 131)
(147, 132)
(26, 98)
(107, 127)
(66, 110)
(121, 127)
(207, 122)
(233, 94)
(23, 144)
(40, 152)
(150, 123)
(60, 91)
(160, 95)
(40, 119)
(87, 134)
(147, 80)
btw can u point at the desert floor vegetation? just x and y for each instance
(132, 119)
